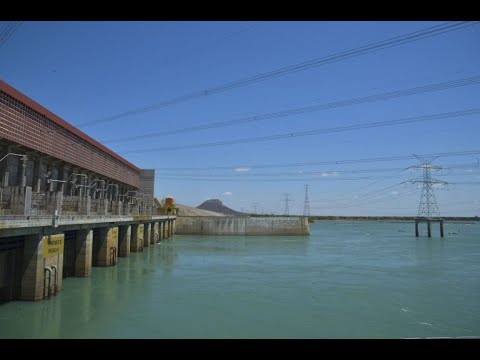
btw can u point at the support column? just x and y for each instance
(41, 251)
(147, 233)
(106, 247)
(124, 237)
(21, 200)
(22, 172)
(165, 230)
(153, 234)
(37, 175)
(119, 208)
(85, 205)
(102, 205)
(136, 243)
(429, 226)
(160, 231)
(441, 228)
(59, 200)
(83, 253)
(32, 268)
(416, 228)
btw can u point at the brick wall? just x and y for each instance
(23, 125)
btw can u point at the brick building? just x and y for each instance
(55, 166)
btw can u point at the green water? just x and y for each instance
(345, 280)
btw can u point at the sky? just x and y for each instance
(203, 104)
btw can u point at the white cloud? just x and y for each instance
(242, 169)
(329, 173)
(227, 193)
(395, 193)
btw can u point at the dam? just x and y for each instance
(241, 225)
(67, 203)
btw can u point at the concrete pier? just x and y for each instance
(105, 247)
(154, 233)
(146, 234)
(124, 238)
(42, 252)
(136, 242)
(161, 235)
(429, 222)
(83, 251)
(39, 250)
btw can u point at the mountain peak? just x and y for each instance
(216, 205)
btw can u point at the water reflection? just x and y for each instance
(167, 254)
(234, 244)
(429, 249)
(46, 322)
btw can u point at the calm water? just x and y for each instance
(346, 280)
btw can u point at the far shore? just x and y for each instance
(462, 220)
(390, 219)
(394, 220)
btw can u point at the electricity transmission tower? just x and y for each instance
(286, 198)
(428, 204)
(306, 206)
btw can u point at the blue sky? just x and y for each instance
(87, 72)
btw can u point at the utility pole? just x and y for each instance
(286, 198)
(306, 206)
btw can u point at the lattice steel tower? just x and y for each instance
(428, 203)
(287, 200)
(306, 205)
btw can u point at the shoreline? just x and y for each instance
(393, 220)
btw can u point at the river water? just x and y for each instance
(345, 280)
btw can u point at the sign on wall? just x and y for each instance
(53, 245)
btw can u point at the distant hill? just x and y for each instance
(184, 210)
(217, 206)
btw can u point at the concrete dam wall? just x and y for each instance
(212, 225)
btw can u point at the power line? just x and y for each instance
(373, 199)
(276, 179)
(332, 162)
(221, 177)
(395, 41)
(308, 109)
(409, 120)
(9, 31)
(322, 173)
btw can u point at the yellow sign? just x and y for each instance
(53, 245)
